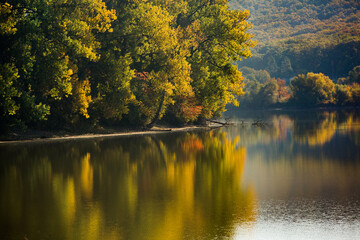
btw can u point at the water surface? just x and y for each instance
(297, 177)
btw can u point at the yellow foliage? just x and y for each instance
(82, 97)
(7, 19)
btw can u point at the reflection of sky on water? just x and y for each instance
(304, 219)
(305, 176)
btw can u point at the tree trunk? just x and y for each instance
(156, 117)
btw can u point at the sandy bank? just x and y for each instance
(38, 137)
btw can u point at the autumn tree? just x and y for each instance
(185, 52)
(268, 93)
(45, 45)
(84, 61)
(283, 92)
(312, 89)
(221, 39)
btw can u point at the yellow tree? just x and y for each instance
(47, 42)
(313, 89)
(221, 39)
(158, 55)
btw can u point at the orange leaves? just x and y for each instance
(283, 92)
(190, 110)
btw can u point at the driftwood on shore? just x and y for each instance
(159, 129)
(226, 123)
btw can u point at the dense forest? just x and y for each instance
(307, 53)
(67, 64)
(88, 63)
(299, 36)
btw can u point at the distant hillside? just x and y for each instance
(298, 36)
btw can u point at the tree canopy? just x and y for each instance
(66, 63)
(299, 36)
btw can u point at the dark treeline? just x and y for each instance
(71, 63)
(304, 90)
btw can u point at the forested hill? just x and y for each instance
(298, 36)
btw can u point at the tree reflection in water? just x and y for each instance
(184, 185)
(172, 186)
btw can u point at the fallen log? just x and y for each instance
(218, 122)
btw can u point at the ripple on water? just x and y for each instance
(305, 219)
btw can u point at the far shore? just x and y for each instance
(38, 136)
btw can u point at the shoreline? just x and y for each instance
(39, 138)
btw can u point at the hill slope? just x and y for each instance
(298, 36)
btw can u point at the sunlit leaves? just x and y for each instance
(223, 38)
(299, 36)
(111, 78)
(47, 41)
(8, 75)
(7, 19)
(313, 89)
(82, 97)
(83, 57)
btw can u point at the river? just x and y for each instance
(296, 177)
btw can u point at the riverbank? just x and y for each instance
(45, 136)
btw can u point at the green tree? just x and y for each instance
(342, 94)
(111, 78)
(312, 89)
(271, 64)
(153, 44)
(8, 75)
(182, 52)
(250, 74)
(135, 61)
(268, 93)
(286, 67)
(222, 38)
(354, 75)
(49, 43)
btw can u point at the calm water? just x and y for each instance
(296, 178)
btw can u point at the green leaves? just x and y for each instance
(300, 36)
(313, 89)
(7, 19)
(8, 91)
(137, 62)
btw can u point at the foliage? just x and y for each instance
(283, 91)
(8, 75)
(215, 78)
(111, 92)
(66, 63)
(342, 94)
(261, 90)
(312, 89)
(300, 36)
(308, 90)
(354, 75)
(250, 74)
